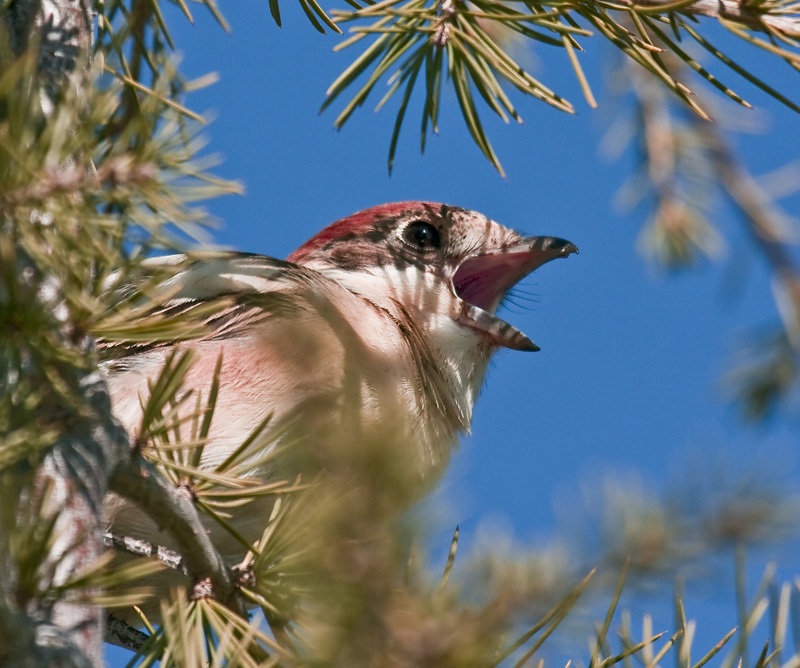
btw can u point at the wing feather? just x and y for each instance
(215, 295)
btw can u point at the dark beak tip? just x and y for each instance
(555, 246)
(529, 347)
(563, 246)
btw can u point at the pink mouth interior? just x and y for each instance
(484, 280)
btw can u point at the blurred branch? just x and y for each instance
(767, 226)
(766, 375)
(684, 162)
(71, 180)
(706, 511)
(675, 172)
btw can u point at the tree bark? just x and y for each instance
(64, 491)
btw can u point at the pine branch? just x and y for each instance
(144, 548)
(173, 509)
(120, 633)
(683, 161)
(468, 45)
(763, 221)
(762, 16)
(63, 495)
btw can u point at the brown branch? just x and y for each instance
(74, 474)
(66, 489)
(173, 509)
(117, 171)
(732, 10)
(144, 548)
(122, 634)
(762, 221)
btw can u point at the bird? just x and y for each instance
(369, 343)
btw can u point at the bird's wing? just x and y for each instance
(201, 298)
(300, 329)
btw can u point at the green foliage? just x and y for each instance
(332, 575)
(329, 599)
(86, 192)
(114, 173)
(766, 376)
(469, 45)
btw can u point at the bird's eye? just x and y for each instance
(422, 235)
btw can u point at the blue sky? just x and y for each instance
(629, 377)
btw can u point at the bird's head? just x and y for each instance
(440, 264)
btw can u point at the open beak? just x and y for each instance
(481, 281)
